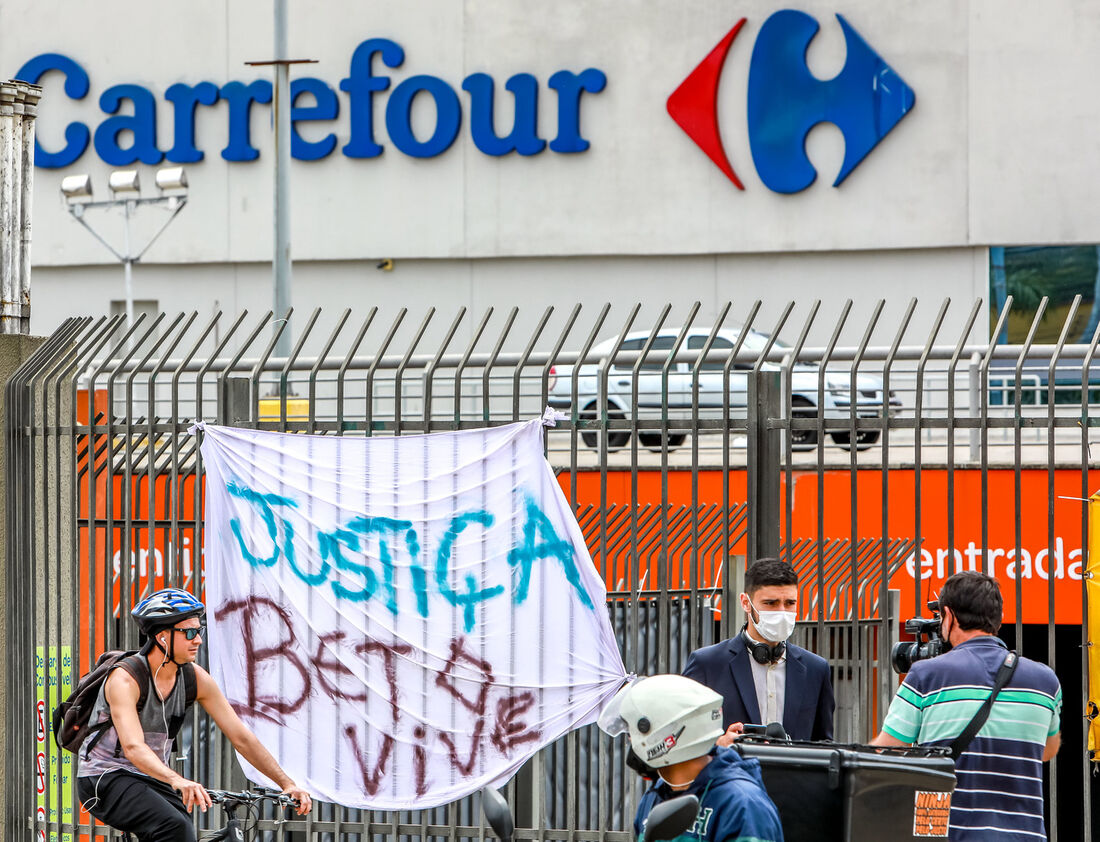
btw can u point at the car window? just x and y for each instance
(754, 342)
(757, 341)
(654, 360)
(719, 345)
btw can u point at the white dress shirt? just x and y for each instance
(770, 683)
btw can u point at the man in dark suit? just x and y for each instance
(761, 677)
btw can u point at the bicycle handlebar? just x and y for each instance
(236, 799)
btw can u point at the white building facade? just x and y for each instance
(540, 154)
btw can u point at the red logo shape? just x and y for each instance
(694, 105)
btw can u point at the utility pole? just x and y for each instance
(281, 265)
(281, 102)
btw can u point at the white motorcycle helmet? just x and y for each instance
(669, 718)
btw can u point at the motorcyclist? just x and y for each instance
(673, 723)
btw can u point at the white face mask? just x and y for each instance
(775, 626)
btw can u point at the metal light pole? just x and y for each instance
(281, 267)
(126, 192)
(281, 263)
(128, 207)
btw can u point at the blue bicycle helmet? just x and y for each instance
(166, 608)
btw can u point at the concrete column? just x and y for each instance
(22, 301)
(8, 190)
(18, 107)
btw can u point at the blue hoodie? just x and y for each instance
(733, 804)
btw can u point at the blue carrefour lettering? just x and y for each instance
(142, 125)
(360, 86)
(325, 107)
(524, 137)
(448, 116)
(240, 98)
(569, 87)
(77, 135)
(185, 99)
(131, 111)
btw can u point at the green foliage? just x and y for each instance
(1057, 272)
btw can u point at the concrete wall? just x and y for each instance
(1001, 147)
(532, 284)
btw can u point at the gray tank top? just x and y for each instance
(154, 718)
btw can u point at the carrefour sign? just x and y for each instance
(128, 132)
(866, 100)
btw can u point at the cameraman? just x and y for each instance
(999, 777)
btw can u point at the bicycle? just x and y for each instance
(235, 828)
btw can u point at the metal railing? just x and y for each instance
(684, 450)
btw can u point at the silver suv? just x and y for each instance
(620, 388)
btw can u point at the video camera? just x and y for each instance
(905, 653)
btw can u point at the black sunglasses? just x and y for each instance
(191, 634)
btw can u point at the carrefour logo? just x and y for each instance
(865, 101)
(129, 131)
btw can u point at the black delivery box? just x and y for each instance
(847, 793)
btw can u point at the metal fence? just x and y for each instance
(687, 446)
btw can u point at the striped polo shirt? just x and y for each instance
(999, 778)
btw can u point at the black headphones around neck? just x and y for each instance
(763, 653)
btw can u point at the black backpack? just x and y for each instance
(71, 725)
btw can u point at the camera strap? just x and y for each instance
(975, 724)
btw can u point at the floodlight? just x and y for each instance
(125, 187)
(124, 181)
(171, 178)
(77, 188)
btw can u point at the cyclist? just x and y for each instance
(124, 778)
(673, 723)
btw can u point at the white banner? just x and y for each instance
(400, 620)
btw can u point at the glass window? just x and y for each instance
(719, 346)
(1028, 273)
(655, 359)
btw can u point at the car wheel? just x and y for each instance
(652, 441)
(591, 438)
(803, 439)
(864, 439)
